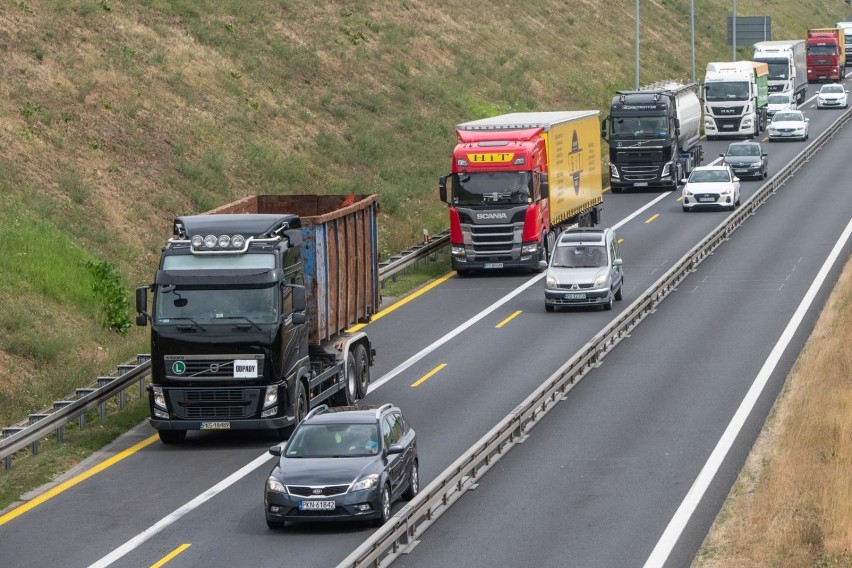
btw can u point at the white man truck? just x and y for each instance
(735, 99)
(788, 66)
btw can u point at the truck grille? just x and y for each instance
(640, 173)
(776, 88)
(214, 404)
(205, 367)
(722, 111)
(728, 124)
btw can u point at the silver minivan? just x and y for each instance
(585, 269)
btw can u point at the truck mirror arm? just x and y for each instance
(142, 316)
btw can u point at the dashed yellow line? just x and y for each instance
(654, 216)
(402, 302)
(14, 513)
(428, 375)
(508, 319)
(170, 555)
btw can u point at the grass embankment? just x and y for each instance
(792, 503)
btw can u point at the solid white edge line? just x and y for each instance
(676, 526)
(177, 514)
(478, 317)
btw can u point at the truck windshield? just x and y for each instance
(822, 50)
(779, 69)
(639, 127)
(216, 304)
(491, 188)
(720, 92)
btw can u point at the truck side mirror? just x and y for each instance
(142, 305)
(299, 304)
(604, 128)
(442, 188)
(544, 186)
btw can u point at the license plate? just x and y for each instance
(493, 265)
(575, 296)
(215, 425)
(706, 199)
(728, 126)
(641, 184)
(316, 505)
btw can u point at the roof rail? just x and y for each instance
(314, 411)
(382, 408)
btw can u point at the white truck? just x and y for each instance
(788, 66)
(735, 99)
(847, 31)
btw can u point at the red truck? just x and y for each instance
(826, 54)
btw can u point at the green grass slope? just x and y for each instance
(117, 116)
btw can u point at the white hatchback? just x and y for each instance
(832, 95)
(713, 187)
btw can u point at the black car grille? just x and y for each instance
(327, 491)
(579, 286)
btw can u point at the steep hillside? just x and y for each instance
(117, 116)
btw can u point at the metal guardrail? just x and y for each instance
(399, 535)
(39, 425)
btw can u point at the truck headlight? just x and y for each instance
(271, 396)
(159, 398)
(667, 170)
(613, 172)
(366, 483)
(457, 251)
(529, 248)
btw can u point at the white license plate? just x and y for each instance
(493, 265)
(215, 425)
(575, 296)
(641, 184)
(316, 505)
(706, 200)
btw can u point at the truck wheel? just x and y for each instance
(300, 403)
(172, 436)
(362, 370)
(349, 393)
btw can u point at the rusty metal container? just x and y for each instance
(340, 254)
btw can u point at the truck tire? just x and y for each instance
(172, 436)
(362, 369)
(349, 393)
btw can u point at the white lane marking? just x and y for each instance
(681, 517)
(478, 317)
(173, 517)
(136, 541)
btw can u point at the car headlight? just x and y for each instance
(687, 191)
(275, 486)
(367, 482)
(725, 191)
(599, 281)
(550, 281)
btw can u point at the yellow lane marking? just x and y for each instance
(680, 198)
(171, 555)
(427, 376)
(78, 479)
(508, 319)
(404, 301)
(654, 216)
(620, 241)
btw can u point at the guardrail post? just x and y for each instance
(60, 432)
(102, 382)
(142, 359)
(7, 432)
(35, 417)
(80, 394)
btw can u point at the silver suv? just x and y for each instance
(585, 269)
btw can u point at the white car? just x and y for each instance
(788, 125)
(780, 101)
(833, 95)
(713, 187)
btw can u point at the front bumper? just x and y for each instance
(256, 424)
(530, 261)
(563, 297)
(702, 200)
(281, 507)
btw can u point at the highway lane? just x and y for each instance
(597, 482)
(450, 411)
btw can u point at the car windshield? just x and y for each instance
(333, 441)
(831, 89)
(744, 150)
(579, 256)
(779, 99)
(788, 117)
(709, 176)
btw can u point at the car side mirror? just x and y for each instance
(683, 181)
(395, 449)
(722, 155)
(764, 154)
(617, 262)
(736, 178)
(276, 450)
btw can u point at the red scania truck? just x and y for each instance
(517, 180)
